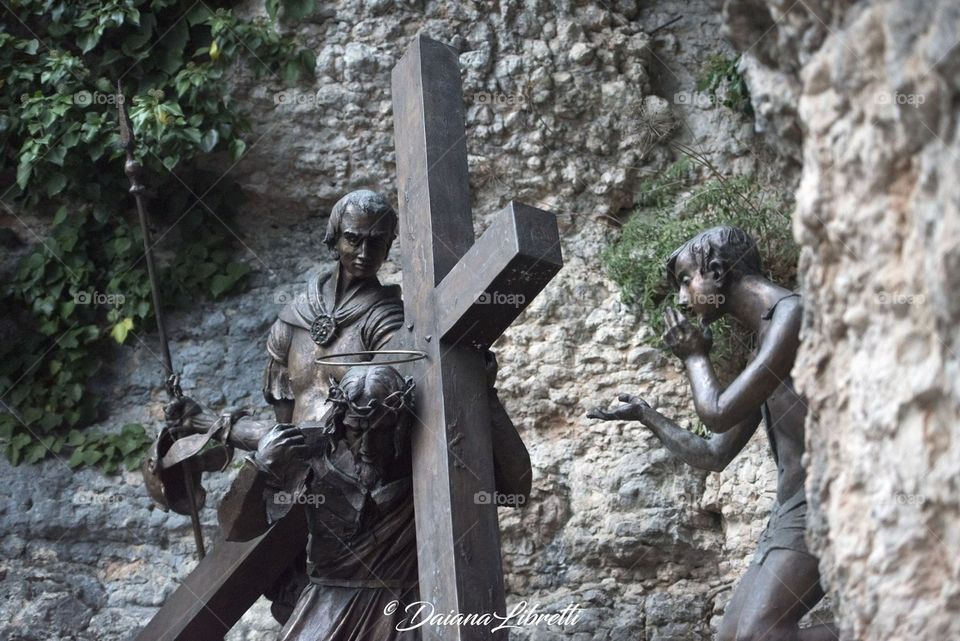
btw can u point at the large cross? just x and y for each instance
(458, 296)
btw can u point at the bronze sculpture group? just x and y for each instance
(340, 444)
(375, 464)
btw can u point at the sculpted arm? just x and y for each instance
(713, 454)
(245, 434)
(721, 409)
(276, 381)
(243, 513)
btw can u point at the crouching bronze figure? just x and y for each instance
(718, 273)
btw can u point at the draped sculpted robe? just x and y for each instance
(318, 323)
(361, 533)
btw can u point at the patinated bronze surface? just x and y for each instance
(457, 536)
(718, 273)
(189, 500)
(351, 473)
(450, 312)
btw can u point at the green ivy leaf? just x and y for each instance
(296, 10)
(89, 40)
(237, 148)
(34, 452)
(60, 216)
(220, 284)
(76, 459)
(272, 7)
(121, 330)
(24, 169)
(55, 183)
(291, 72)
(210, 140)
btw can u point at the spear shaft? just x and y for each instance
(134, 170)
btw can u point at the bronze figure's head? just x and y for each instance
(373, 398)
(703, 268)
(361, 229)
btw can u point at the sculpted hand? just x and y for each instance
(185, 416)
(632, 408)
(279, 446)
(683, 338)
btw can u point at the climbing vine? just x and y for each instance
(82, 286)
(721, 75)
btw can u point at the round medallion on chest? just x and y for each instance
(323, 329)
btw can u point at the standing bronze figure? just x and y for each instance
(718, 273)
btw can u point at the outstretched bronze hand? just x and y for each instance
(632, 408)
(683, 337)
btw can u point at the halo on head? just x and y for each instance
(402, 356)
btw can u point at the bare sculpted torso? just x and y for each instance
(784, 416)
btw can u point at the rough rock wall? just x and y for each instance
(876, 87)
(567, 106)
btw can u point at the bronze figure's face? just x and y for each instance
(363, 421)
(700, 292)
(363, 242)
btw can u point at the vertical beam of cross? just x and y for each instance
(458, 541)
(452, 291)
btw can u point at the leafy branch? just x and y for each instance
(84, 288)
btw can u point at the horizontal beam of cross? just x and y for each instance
(229, 579)
(504, 270)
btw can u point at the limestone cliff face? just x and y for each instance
(876, 88)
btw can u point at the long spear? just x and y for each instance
(134, 171)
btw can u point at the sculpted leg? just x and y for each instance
(731, 616)
(785, 587)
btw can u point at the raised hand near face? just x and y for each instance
(683, 337)
(632, 408)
